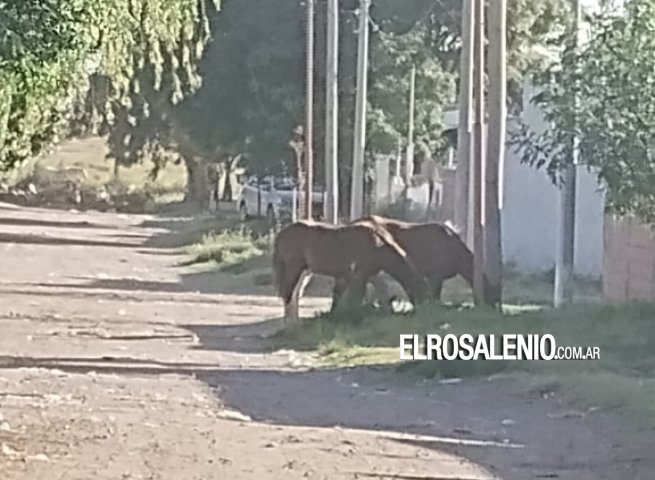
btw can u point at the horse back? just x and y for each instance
(435, 248)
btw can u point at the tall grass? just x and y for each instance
(236, 250)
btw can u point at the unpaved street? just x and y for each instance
(117, 364)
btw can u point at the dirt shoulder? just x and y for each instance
(116, 363)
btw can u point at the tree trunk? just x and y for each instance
(227, 186)
(197, 182)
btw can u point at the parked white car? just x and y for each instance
(272, 197)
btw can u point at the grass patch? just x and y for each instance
(621, 379)
(235, 251)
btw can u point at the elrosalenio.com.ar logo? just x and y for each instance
(490, 347)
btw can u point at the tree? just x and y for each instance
(252, 95)
(246, 108)
(392, 58)
(608, 102)
(90, 60)
(532, 25)
(42, 45)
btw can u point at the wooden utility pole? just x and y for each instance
(497, 101)
(465, 127)
(331, 206)
(478, 173)
(357, 191)
(566, 248)
(309, 112)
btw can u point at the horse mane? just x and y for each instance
(452, 227)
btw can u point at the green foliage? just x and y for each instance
(392, 58)
(532, 26)
(38, 68)
(230, 249)
(608, 101)
(252, 95)
(253, 80)
(50, 48)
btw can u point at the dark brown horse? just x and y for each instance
(437, 251)
(351, 254)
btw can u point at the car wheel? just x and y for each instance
(243, 212)
(270, 215)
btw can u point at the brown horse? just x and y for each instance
(351, 254)
(437, 250)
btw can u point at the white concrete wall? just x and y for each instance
(530, 216)
(530, 219)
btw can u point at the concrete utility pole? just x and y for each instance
(497, 64)
(566, 248)
(331, 206)
(465, 127)
(478, 171)
(399, 158)
(309, 112)
(357, 191)
(409, 159)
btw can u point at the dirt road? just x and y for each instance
(117, 364)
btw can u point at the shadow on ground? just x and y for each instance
(373, 398)
(510, 433)
(28, 222)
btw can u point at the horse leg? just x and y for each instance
(381, 291)
(404, 272)
(437, 285)
(340, 286)
(355, 290)
(288, 278)
(292, 307)
(343, 292)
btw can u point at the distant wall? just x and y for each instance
(629, 260)
(530, 219)
(531, 211)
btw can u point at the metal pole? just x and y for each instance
(495, 143)
(478, 226)
(566, 249)
(409, 161)
(465, 127)
(357, 191)
(309, 111)
(332, 112)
